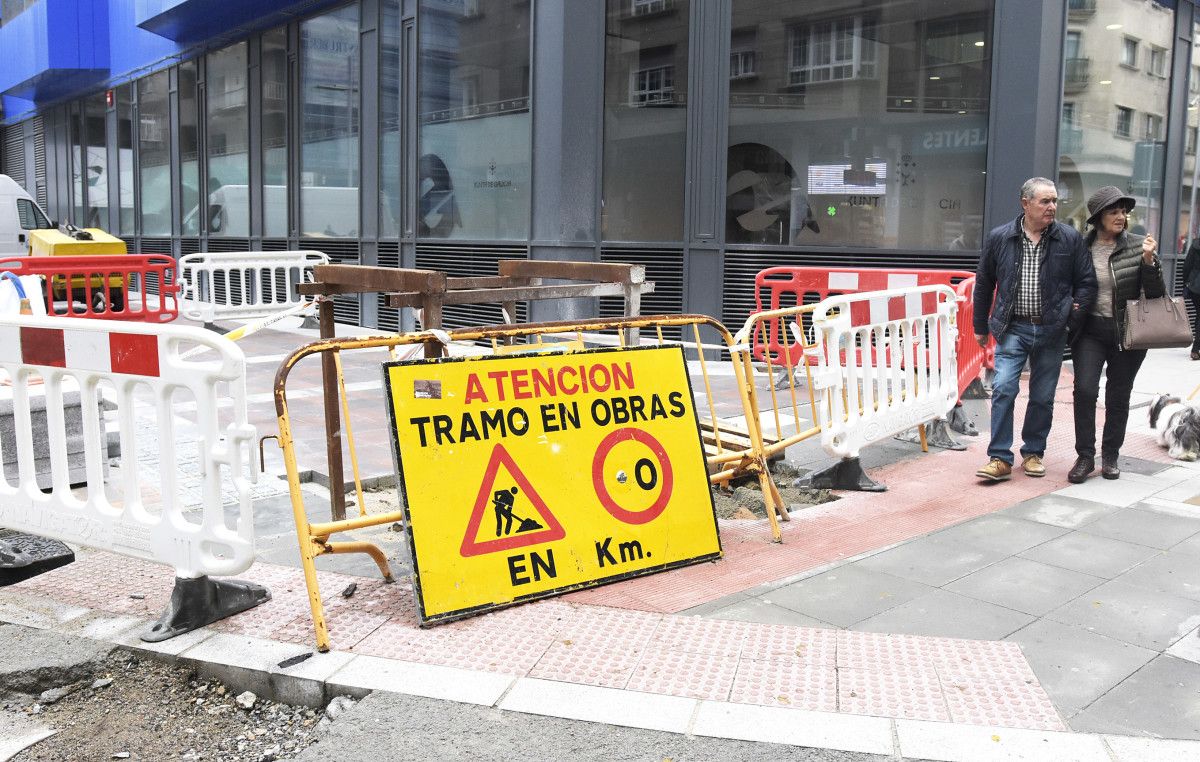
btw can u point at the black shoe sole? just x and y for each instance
(1112, 477)
(1079, 480)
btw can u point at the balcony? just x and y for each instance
(1081, 8)
(1077, 74)
(55, 49)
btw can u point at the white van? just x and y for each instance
(19, 214)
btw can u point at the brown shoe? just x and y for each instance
(1032, 464)
(995, 471)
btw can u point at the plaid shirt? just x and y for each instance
(1029, 293)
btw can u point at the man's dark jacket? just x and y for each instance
(1066, 276)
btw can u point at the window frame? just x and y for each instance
(1130, 52)
(1126, 114)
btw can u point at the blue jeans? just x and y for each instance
(1043, 349)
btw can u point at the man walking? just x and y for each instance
(1035, 279)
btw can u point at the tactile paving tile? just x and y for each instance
(976, 659)
(675, 673)
(716, 637)
(909, 693)
(615, 627)
(785, 643)
(587, 663)
(790, 683)
(1004, 703)
(873, 650)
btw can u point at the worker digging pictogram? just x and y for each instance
(503, 501)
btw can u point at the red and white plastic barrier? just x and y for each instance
(781, 287)
(904, 372)
(127, 287)
(138, 366)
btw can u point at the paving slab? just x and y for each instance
(1058, 510)
(1091, 554)
(1025, 585)
(1160, 699)
(1133, 614)
(947, 614)
(1168, 572)
(763, 610)
(931, 560)
(1076, 666)
(1150, 528)
(1190, 546)
(1187, 647)
(1002, 534)
(847, 594)
(1120, 493)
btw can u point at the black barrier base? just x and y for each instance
(976, 391)
(959, 422)
(200, 601)
(27, 555)
(937, 434)
(216, 328)
(845, 474)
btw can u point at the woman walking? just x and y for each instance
(1191, 283)
(1125, 266)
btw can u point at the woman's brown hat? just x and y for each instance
(1109, 195)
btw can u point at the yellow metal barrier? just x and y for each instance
(730, 453)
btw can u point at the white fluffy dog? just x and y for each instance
(1178, 425)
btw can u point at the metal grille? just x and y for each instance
(228, 244)
(41, 191)
(465, 261)
(275, 244)
(346, 307)
(388, 317)
(12, 162)
(1180, 289)
(189, 246)
(150, 246)
(663, 266)
(741, 267)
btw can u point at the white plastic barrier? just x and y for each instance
(198, 409)
(886, 362)
(244, 284)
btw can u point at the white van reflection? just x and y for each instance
(330, 212)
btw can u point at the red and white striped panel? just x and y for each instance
(134, 354)
(870, 280)
(877, 310)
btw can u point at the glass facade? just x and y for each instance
(189, 150)
(645, 120)
(123, 97)
(1115, 95)
(473, 110)
(329, 124)
(853, 131)
(228, 207)
(154, 154)
(274, 69)
(1189, 221)
(389, 120)
(858, 124)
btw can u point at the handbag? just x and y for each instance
(1156, 323)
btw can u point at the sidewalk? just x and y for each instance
(943, 619)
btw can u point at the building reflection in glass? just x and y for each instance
(858, 123)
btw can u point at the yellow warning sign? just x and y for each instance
(530, 475)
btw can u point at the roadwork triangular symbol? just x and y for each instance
(510, 505)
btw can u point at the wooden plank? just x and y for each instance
(604, 272)
(350, 279)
